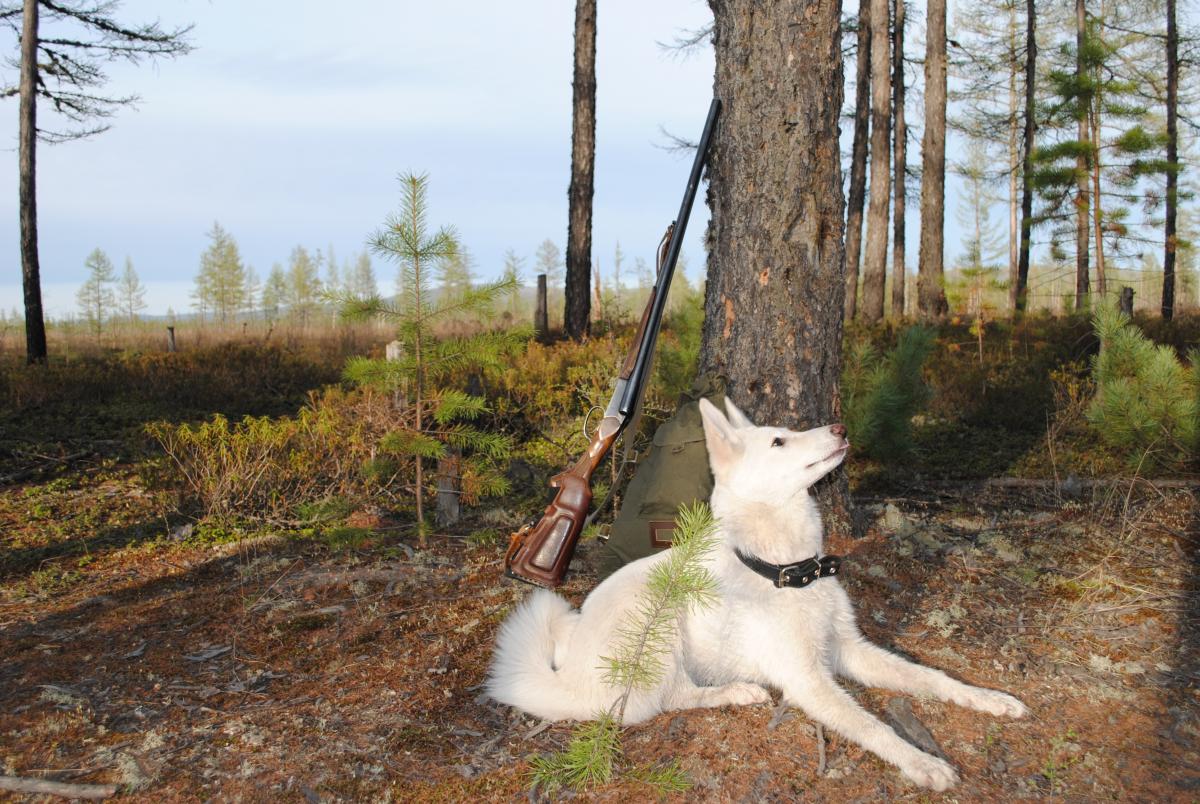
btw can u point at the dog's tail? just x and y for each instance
(530, 651)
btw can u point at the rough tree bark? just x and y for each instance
(35, 326)
(899, 149)
(930, 295)
(775, 293)
(578, 299)
(858, 157)
(875, 264)
(1027, 156)
(1014, 159)
(1084, 173)
(1168, 291)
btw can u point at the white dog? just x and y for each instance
(794, 637)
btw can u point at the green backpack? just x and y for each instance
(674, 472)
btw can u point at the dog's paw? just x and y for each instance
(743, 693)
(929, 771)
(1000, 704)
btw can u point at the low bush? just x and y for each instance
(881, 392)
(264, 469)
(1147, 401)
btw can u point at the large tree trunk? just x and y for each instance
(1168, 291)
(930, 295)
(875, 265)
(1082, 171)
(35, 327)
(775, 294)
(858, 157)
(583, 161)
(1027, 156)
(899, 148)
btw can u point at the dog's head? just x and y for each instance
(768, 464)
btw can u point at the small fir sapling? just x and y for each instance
(1147, 401)
(882, 392)
(435, 419)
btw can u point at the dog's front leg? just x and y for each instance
(873, 666)
(810, 687)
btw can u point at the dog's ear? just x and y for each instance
(736, 417)
(723, 442)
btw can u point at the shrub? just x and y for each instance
(1147, 401)
(881, 392)
(263, 469)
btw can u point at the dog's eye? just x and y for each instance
(778, 442)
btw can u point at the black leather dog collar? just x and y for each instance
(797, 575)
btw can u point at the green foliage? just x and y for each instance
(675, 585)
(881, 393)
(679, 342)
(432, 420)
(96, 298)
(221, 283)
(588, 760)
(1147, 401)
(272, 470)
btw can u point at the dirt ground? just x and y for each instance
(184, 668)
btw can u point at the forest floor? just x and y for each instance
(183, 667)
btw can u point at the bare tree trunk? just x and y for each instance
(1097, 199)
(858, 158)
(1082, 204)
(875, 265)
(578, 289)
(776, 290)
(930, 294)
(1168, 292)
(1027, 156)
(35, 326)
(1013, 161)
(899, 148)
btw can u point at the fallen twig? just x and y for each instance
(18, 784)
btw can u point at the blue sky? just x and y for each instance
(289, 123)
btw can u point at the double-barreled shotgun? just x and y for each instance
(540, 552)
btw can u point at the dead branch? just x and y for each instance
(18, 784)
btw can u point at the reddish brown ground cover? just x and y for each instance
(348, 670)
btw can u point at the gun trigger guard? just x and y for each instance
(587, 418)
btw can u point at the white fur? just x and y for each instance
(548, 657)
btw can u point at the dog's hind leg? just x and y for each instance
(873, 666)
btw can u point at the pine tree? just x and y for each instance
(1087, 181)
(96, 298)
(978, 269)
(457, 274)
(303, 288)
(221, 283)
(436, 420)
(1147, 402)
(988, 95)
(514, 271)
(253, 291)
(274, 293)
(362, 285)
(333, 284)
(131, 292)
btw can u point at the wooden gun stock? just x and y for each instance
(539, 553)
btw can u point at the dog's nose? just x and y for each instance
(838, 430)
